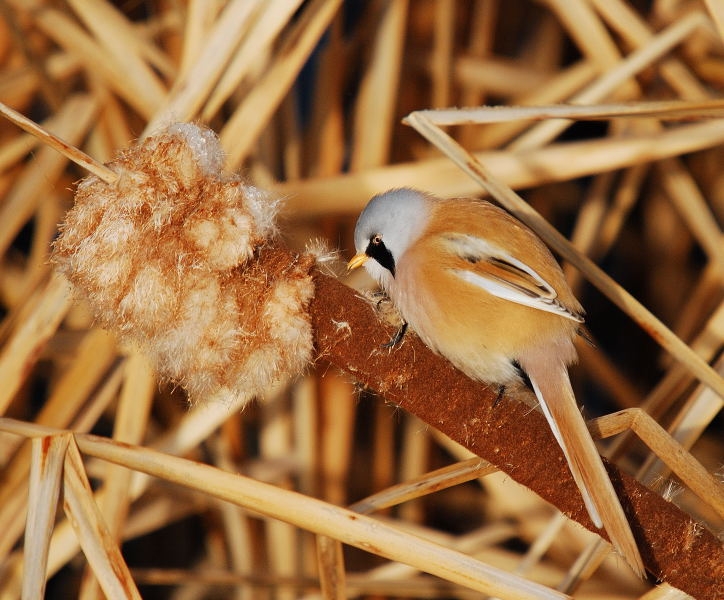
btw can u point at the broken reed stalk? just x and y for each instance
(664, 110)
(68, 150)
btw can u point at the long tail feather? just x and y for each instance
(549, 377)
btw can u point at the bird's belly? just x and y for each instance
(480, 334)
(469, 342)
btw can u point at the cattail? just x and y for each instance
(180, 258)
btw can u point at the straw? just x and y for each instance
(609, 121)
(291, 507)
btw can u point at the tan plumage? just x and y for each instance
(485, 292)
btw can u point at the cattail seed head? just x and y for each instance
(180, 258)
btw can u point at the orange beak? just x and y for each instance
(357, 261)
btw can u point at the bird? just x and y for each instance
(482, 290)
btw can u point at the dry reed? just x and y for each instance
(608, 125)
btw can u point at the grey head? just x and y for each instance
(386, 228)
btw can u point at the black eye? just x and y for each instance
(376, 239)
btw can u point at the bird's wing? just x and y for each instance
(494, 270)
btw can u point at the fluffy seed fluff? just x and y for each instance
(178, 257)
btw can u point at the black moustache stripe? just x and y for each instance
(382, 255)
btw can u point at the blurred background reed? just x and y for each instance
(308, 97)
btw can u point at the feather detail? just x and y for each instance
(500, 274)
(549, 378)
(477, 250)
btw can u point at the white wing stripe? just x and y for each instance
(507, 292)
(468, 245)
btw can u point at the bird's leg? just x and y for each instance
(499, 397)
(397, 338)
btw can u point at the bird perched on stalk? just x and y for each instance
(485, 292)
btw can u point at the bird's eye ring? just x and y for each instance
(376, 239)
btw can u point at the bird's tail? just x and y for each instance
(549, 377)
